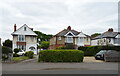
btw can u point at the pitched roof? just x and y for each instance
(65, 31)
(21, 31)
(107, 35)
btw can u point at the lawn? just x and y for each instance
(21, 58)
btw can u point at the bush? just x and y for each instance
(16, 50)
(5, 52)
(61, 56)
(15, 55)
(29, 54)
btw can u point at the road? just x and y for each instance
(88, 66)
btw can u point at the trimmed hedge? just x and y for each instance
(92, 50)
(61, 56)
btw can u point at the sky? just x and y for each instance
(52, 16)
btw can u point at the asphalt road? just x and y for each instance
(89, 66)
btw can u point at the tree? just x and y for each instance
(42, 37)
(44, 44)
(7, 43)
(95, 35)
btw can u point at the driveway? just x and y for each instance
(89, 66)
(91, 59)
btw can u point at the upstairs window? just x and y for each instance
(24, 28)
(21, 38)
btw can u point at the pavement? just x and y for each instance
(88, 66)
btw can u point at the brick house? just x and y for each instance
(69, 36)
(24, 38)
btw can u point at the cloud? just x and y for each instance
(52, 16)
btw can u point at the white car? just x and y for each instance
(21, 53)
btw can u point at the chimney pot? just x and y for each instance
(110, 30)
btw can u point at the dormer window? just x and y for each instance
(24, 28)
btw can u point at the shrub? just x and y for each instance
(29, 54)
(16, 50)
(61, 56)
(5, 52)
(15, 55)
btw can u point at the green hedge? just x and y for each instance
(29, 54)
(92, 50)
(61, 56)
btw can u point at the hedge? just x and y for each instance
(61, 56)
(92, 50)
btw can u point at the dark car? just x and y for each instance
(100, 55)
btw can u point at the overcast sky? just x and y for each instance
(52, 16)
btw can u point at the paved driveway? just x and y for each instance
(89, 66)
(91, 59)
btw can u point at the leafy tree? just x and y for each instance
(42, 36)
(95, 35)
(6, 50)
(44, 44)
(7, 43)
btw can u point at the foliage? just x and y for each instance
(29, 54)
(16, 50)
(6, 50)
(61, 56)
(42, 36)
(95, 35)
(92, 50)
(44, 44)
(15, 55)
(61, 47)
(7, 43)
(69, 46)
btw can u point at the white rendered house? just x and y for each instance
(25, 39)
(107, 38)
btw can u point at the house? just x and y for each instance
(24, 38)
(69, 36)
(107, 38)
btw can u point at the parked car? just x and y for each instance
(100, 55)
(112, 55)
(21, 52)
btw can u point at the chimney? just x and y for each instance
(15, 27)
(69, 28)
(110, 30)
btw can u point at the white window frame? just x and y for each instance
(21, 38)
(69, 41)
(59, 38)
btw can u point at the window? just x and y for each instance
(21, 38)
(24, 28)
(59, 38)
(69, 39)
